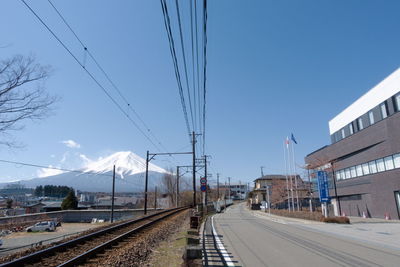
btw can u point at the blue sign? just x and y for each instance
(203, 188)
(323, 186)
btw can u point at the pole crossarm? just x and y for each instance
(169, 154)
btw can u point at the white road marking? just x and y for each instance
(220, 245)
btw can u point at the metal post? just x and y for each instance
(155, 199)
(205, 175)
(269, 204)
(194, 168)
(309, 183)
(177, 187)
(336, 195)
(229, 181)
(146, 183)
(112, 196)
(217, 186)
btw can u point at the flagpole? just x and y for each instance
(295, 177)
(290, 176)
(286, 174)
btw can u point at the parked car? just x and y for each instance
(1, 242)
(42, 226)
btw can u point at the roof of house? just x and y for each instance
(273, 177)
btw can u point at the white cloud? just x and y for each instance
(71, 144)
(44, 172)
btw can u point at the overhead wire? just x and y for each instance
(204, 71)
(91, 75)
(184, 61)
(167, 23)
(106, 75)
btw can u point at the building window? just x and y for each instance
(365, 168)
(380, 165)
(347, 173)
(360, 124)
(351, 128)
(372, 167)
(383, 110)
(343, 135)
(337, 175)
(359, 170)
(397, 101)
(342, 175)
(353, 172)
(389, 163)
(396, 160)
(371, 117)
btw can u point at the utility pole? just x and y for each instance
(155, 199)
(217, 186)
(269, 204)
(194, 168)
(146, 183)
(112, 196)
(262, 172)
(177, 187)
(205, 175)
(225, 195)
(229, 181)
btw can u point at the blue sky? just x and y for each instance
(274, 67)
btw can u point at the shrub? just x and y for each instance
(342, 219)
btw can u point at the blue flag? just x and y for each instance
(293, 139)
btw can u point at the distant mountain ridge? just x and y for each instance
(97, 175)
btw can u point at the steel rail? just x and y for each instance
(36, 256)
(96, 250)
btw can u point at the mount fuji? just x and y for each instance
(97, 175)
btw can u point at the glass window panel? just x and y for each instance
(347, 172)
(353, 172)
(380, 165)
(343, 135)
(383, 110)
(342, 174)
(360, 124)
(389, 163)
(397, 100)
(351, 128)
(337, 175)
(396, 159)
(359, 170)
(365, 168)
(371, 117)
(372, 167)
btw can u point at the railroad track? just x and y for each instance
(79, 250)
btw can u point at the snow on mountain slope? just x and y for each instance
(97, 175)
(126, 163)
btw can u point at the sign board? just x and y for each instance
(203, 180)
(323, 186)
(203, 188)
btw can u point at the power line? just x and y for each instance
(167, 23)
(90, 74)
(204, 71)
(51, 168)
(184, 61)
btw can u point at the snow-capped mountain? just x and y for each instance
(126, 163)
(96, 176)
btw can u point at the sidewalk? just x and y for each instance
(370, 220)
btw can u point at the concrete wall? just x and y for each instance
(74, 216)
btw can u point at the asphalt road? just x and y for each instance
(248, 240)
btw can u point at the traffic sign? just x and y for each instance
(203, 188)
(203, 180)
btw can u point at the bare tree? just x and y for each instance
(169, 186)
(22, 94)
